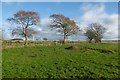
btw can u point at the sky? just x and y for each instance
(59, 0)
(84, 13)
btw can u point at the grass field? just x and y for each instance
(53, 61)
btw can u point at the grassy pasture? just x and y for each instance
(51, 60)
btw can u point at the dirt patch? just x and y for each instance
(72, 48)
(103, 50)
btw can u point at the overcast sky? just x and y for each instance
(83, 13)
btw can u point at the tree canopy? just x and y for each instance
(24, 19)
(64, 25)
(95, 31)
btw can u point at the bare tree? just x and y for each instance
(19, 31)
(64, 25)
(95, 31)
(24, 19)
(90, 35)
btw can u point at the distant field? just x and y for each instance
(51, 60)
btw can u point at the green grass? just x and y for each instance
(53, 61)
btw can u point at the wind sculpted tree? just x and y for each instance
(19, 31)
(24, 19)
(64, 25)
(90, 35)
(95, 31)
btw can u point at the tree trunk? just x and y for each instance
(25, 35)
(97, 41)
(90, 40)
(25, 40)
(100, 41)
(65, 36)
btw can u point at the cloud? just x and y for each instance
(6, 30)
(112, 28)
(97, 13)
(7, 26)
(46, 31)
(45, 21)
(92, 13)
(49, 9)
(7, 35)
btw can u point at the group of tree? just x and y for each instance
(64, 25)
(95, 31)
